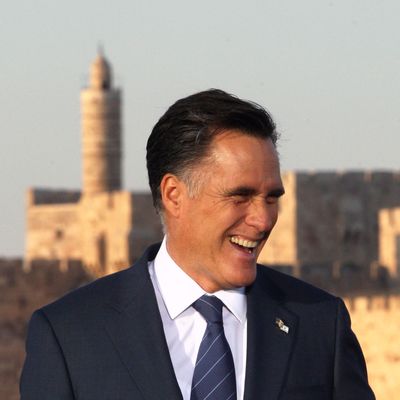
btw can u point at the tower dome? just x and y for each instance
(100, 73)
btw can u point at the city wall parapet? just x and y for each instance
(376, 322)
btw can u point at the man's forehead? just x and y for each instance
(232, 134)
(241, 145)
(246, 160)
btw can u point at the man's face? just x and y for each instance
(220, 231)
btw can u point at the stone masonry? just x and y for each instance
(389, 239)
(331, 221)
(21, 292)
(101, 131)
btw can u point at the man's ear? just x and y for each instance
(171, 190)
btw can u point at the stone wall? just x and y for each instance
(376, 322)
(107, 231)
(337, 215)
(281, 248)
(389, 240)
(146, 223)
(331, 219)
(53, 232)
(22, 292)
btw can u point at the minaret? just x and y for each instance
(101, 130)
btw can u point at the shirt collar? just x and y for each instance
(179, 291)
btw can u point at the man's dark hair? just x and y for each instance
(181, 138)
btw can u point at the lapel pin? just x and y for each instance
(281, 325)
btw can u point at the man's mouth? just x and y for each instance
(244, 244)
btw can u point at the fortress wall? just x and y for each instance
(147, 227)
(116, 228)
(389, 240)
(281, 247)
(22, 292)
(333, 218)
(106, 223)
(317, 213)
(376, 322)
(53, 232)
(106, 231)
(384, 188)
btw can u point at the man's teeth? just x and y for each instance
(244, 243)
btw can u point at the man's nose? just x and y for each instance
(262, 216)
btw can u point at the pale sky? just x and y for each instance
(327, 70)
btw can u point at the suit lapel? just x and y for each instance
(268, 346)
(133, 323)
(135, 328)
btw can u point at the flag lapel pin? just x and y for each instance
(281, 325)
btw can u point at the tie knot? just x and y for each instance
(210, 307)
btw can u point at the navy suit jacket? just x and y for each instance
(106, 341)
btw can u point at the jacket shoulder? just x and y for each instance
(290, 287)
(86, 301)
(117, 288)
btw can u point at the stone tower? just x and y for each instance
(103, 227)
(101, 131)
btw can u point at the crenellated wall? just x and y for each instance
(21, 292)
(376, 321)
(106, 231)
(332, 219)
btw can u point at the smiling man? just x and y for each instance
(196, 318)
(217, 233)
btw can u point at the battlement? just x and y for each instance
(332, 218)
(362, 174)
(364, 304)
(21, 292)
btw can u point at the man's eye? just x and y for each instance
(240, 199)
(272, 200)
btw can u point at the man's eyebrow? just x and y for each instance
(240, 191)
(246, 191)
(277, 192)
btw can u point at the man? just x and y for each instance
(197, 318)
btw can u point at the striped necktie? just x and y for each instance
(214, 372)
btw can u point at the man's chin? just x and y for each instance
(246, 278)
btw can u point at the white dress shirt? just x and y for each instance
(184, 327)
